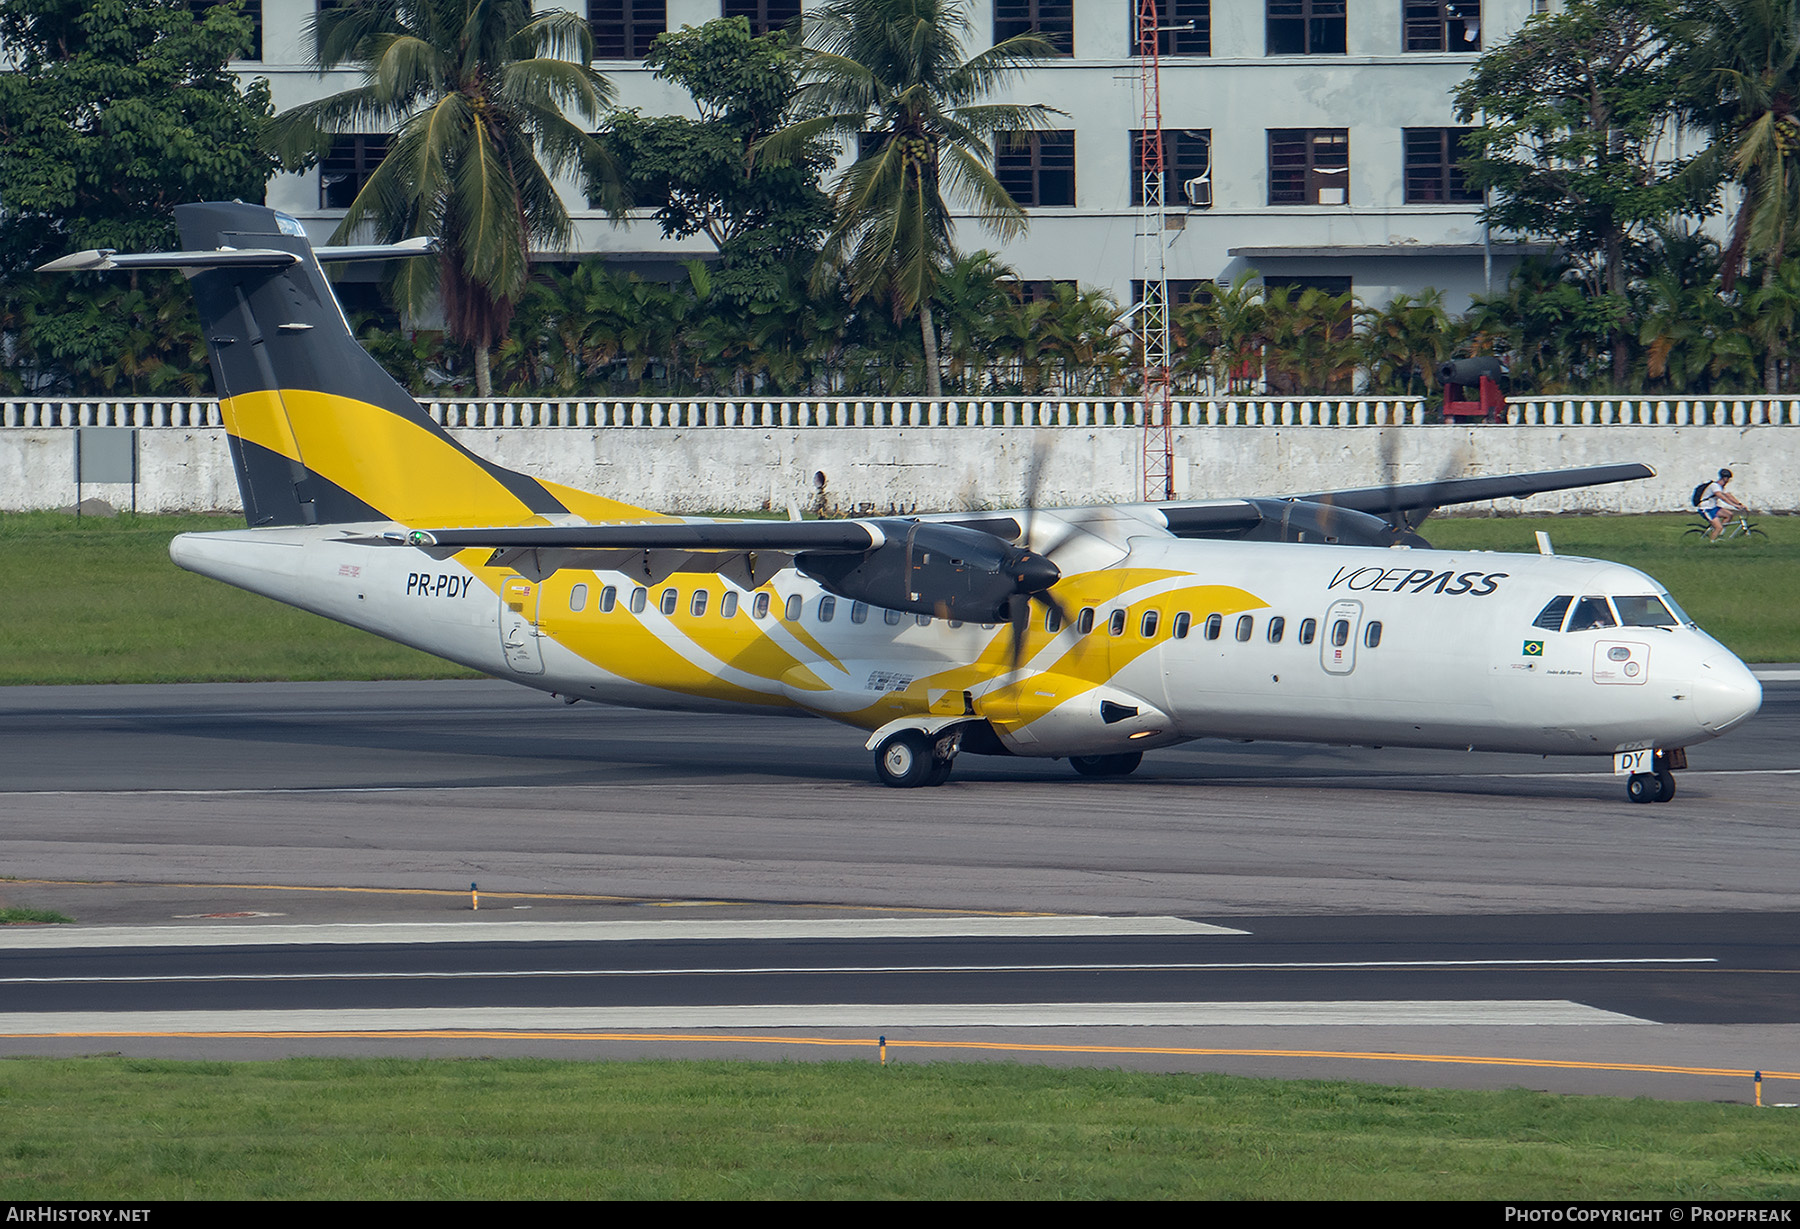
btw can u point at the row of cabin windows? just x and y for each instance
(825, 610)
(1213, 627)
(624, 29)
(669, 602)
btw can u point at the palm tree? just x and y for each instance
(892, 74)
(478, 94)
(1743, 61)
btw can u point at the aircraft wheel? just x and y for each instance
(1642, 787)
(1106, 765)
(1665, 785)
(940, 771)
(904, 760)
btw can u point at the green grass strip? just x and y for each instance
(128, 1129)
(100, 602)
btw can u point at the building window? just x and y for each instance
(1187, 167)
(766, 16)
(1181, 289)
(1036, 168)
(1297, 284)
(624, 29)
(1309, 166)
(1432, 174)
(1307, 27)
(1054, 19)
(1183, 27)
(1442, 25)
(251, 9)
(345, 170)
(1041, 290)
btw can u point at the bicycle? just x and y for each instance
(1741, 527)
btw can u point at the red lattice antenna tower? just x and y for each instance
(1153, 262)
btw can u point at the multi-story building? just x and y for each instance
(1314, 141)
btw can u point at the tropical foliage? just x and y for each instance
(893, 76)
(489, 104)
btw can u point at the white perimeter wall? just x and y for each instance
(886, 468)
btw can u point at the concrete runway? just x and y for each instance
(380, 803)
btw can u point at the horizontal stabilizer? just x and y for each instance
(849, 537)
(103, 260)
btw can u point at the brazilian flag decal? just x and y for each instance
(1533, 648)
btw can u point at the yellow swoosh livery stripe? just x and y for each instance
(394, 464)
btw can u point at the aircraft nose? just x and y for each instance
(1725, 692)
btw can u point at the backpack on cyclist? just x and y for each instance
(1699, 493)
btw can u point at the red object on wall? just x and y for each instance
(1490, 408)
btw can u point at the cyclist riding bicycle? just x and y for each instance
(1713, 503)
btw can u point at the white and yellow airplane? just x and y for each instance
(1094, 634)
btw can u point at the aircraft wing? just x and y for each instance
(1374, 515)
(1425, 497)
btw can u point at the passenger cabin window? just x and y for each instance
(1309, 630)
(698, 606)
(859, 612)
(1214, 624)
(893, 617)
(1550, 618)
(728, 605)
(639, 596)
(1277, 626)
(1115, 625)
(1245, 626)
(1052, 621)
(1148, 626)
(827, 608)
(578, 597)
(1644, 611)
(1085, 623)
(609, 597)
(1183, 622)
(922, 620)
(1591, 612)
(1340, 633)
(759, 609)
(791, 610)
(1372, 634)
(669, 600)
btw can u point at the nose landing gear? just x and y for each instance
(1659, 785)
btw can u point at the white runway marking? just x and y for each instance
(1399, 1013)
(52, 937)
(783, 970)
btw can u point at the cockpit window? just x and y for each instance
(1591, 612)
(1644, 610)
(1681, 615)
(1550, 618)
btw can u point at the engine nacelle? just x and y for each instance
(932, 569)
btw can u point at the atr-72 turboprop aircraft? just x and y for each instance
(1094, 634)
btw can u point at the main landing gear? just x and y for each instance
(1106, 765)
(908, 759)
(1659, 785)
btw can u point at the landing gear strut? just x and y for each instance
(908, 759)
